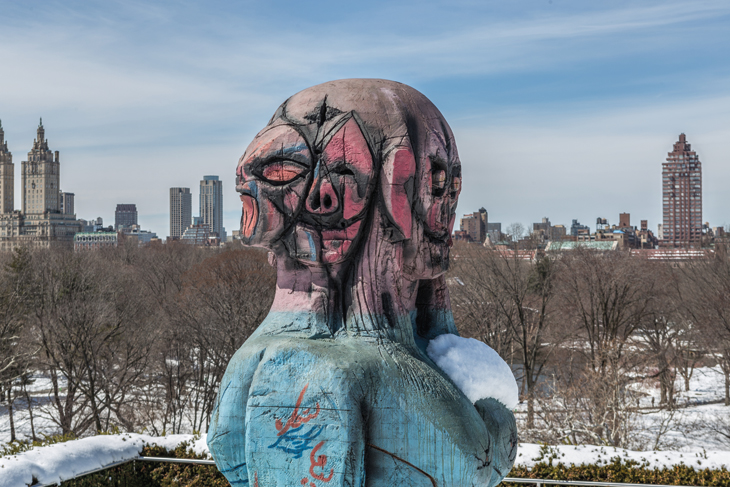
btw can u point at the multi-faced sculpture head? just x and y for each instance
(353, 186)
(342, 156)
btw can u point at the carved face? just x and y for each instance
(312, 199)
(438, 194)
(308, 179)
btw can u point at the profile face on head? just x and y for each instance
(438, 195)
(310, 177)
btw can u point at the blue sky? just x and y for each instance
(563, 109)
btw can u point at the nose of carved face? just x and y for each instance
(322, 198)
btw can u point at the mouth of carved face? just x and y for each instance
(328, 246)
(249, 215)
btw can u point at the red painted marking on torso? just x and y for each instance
(321, 461)
(296, 419)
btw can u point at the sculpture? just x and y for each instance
(353, 186)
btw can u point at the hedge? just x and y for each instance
(147, 474)
(624, 471)
(153, 474)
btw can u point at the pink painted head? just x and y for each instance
(339, 157)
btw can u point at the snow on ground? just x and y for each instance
(687, 427)
(63, 461)
(40, 391)
(702, 404)
(706, 385)
(529, 454)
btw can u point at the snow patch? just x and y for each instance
(475, 368)
(63, 461)
(528, 455)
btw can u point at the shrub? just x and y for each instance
(150, 474)
(144, 474)
(625, 471)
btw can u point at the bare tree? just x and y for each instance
(516, 231)
(606, 298)
(707, 295)
(16, 353)
(519, 295)
(475, 314)
(223, 300)
(129, 337)
(690, 349)
(661, 332)
(163, 398)
(93, 334)
(585, 406)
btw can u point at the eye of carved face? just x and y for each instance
(271, 177)
(282, 172)
(455, 186)
(438, 182)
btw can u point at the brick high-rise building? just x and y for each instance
(475, 225)
(125, 216)
(624, 220)
(682, 197)
(181, 211)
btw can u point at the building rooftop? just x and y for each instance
(593, 245)
(91, 234)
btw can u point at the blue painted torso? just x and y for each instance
(366, 411)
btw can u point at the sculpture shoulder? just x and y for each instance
(301, 354)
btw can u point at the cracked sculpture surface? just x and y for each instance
(352, 186)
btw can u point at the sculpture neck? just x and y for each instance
(372, 297)
(382, 299)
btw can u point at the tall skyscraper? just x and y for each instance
(41, 177)
(181, 211)
(7, 177)
(125, 216)
(211, 204)
(682, 197)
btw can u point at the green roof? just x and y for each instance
(570, 245)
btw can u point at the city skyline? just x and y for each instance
(210, 192)
(557, 107)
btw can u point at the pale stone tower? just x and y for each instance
(7, 181)
(41, 178)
